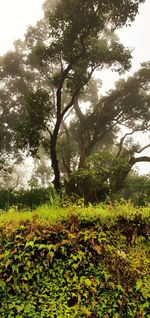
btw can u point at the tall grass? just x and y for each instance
(61, 208)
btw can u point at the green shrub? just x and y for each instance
(83, 265)
(29, 198)
(137, 189)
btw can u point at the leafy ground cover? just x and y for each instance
(75, 262)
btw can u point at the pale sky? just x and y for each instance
(16, 15)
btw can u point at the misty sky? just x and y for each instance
(16, 15)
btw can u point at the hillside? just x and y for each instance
(75, 262)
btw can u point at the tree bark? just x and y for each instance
(85, 139)
(55, 163)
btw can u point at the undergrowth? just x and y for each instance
(73, 261)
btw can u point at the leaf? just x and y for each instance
(88, 312)
(20, 308)
(97, 248)
(88, 282)
(139, 284)
(106, 275)
(2, 285)
(30, 243)
(42, 246)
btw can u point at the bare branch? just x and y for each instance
(140, 159)
(49, 131)
(122, 141)
(68, 114)
(145, 147)
(129, 134)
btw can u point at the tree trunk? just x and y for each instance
(55, 164)
(123, 173)
(119, 179)
(85, 149)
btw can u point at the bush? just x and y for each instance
(81, 266)
(24, 198)
(137, 188)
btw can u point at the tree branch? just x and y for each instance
(122, 141)
(140, 159)
(145, 147)
(58, 93)
(77, 109)
(76, 93)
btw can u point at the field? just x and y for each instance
(73, 261)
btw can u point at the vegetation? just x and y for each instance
(137, 189)
(51, 75)
(21, 199)
(75, 262)
(69, 258)
(98, 175)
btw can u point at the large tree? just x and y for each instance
(44, 77)
(127, 106)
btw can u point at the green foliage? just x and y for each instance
(83, 265)
(137, 189)
(46, 74)
(30, 198)
(11, 64)
(104, 164)
(100, 173)
(33, 119)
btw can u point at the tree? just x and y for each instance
(99, 128)
(41, 175)
(137, 188)
(48, 72)
(97, 179)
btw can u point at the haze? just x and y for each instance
(16, 15)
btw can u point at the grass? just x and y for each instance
(57, 212)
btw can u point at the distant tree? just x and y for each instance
(137, 188)
(13, 174)
(41, 173)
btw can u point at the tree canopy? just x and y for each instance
(51, 75)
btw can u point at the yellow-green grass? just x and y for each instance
(53, 214)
